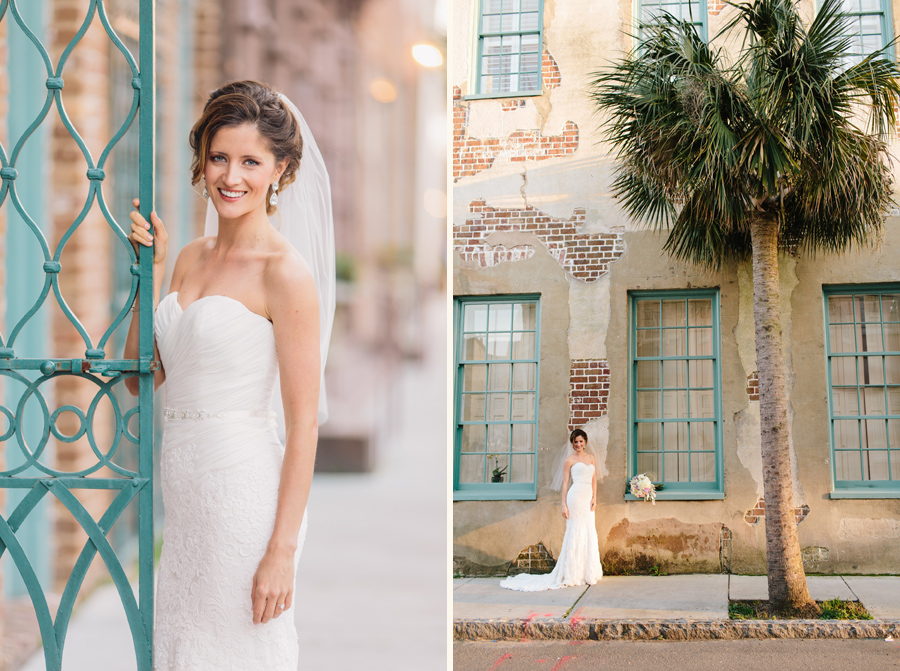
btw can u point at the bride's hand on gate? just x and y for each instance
(142, 235)
(273, 586)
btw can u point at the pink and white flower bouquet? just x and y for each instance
(643, 488)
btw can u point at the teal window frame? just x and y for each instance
(858, 18)
(482, 35)
(684, 12)
(861, 489)
(492, 491)
(675, 491)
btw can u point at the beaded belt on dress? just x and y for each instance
(227, 414)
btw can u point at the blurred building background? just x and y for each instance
(379, 117)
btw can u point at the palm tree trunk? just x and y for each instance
(787, 581)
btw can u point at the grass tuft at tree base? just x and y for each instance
(833, 609)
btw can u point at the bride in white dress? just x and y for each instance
(579, 557)
(244, 309)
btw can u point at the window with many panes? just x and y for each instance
(509, 48)
(685, 10)
(863, 346)
(496, 397)
(675, 411)
(868, 27)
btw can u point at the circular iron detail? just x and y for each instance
(81, 423)
(11, 418)
(48, 368)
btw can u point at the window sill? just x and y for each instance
(670, 495)
(498, 492)
(498, 96)
(866, 494)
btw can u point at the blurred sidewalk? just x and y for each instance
(372, 583)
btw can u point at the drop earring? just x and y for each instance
(273, 199)
(205, 192)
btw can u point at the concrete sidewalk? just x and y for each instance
(677, 606)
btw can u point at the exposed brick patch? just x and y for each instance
(511, 104)
(472, 155)
(586, 256)
(714, 7)
(588, 390)
(533, 559)
(550, 72)
(753, 386)
(758, 512)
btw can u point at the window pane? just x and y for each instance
(700, 342)
(475, 318)
(648, 405)
(498, 407)
(675, 437)
(870, 370)
(500, 317)
(647, 313)
(524, 376)
(700, 312)
(509, 22)
(842, 339)
(490, 84)
(702, 404)
(843, 370)
(893, 401)
(894, 438)
(499, 377)
(674, 374)
(673, 342)
(498, 468)
(525, 317)
(490, 65)
(870, 25)
(846, 434)
(523, 407)
(649, 465)
(511, 46)
(492, 6)
(701, 373)
(473, 407)
(530, 5)
(892, 369)
(523, 346)
(648, 436)
(890, 307)
(491, 47)
(491, 23)
(648, 343)
(875, 434)
(673, 313)
(471, 469)
(840, 309)
(530, 82)
(676, 467)
(498, 439)
(868, 308)
(703, 467)
(473, 347)
(847, 466)
(675, 404)
(530, 43)
(530, 62)
(873, 399)
(875, 465)
(530, 21)
(648, 374)
(498, 346)
(892, 337)
(702, 436)
(473, 377)
(522, 468)
(472, 438)
(845, 401)
(523, 437)
(869, 336)
(510, 6)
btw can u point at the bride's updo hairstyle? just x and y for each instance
(575, 434)
(261, 106)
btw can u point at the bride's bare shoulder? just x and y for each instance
(287, 275)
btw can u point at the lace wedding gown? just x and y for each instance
(579, 557)
(220, 470)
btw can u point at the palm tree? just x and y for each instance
(778, 148)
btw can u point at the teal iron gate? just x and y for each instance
(34, 475)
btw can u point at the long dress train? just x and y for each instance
(579, 557)
(220, 469)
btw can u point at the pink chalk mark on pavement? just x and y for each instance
(576, 618)
(528, 620)
(561, 662)
(500, 661)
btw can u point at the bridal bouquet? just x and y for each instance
(642, 488)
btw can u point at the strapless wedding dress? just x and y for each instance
(579, 557)
(220, 469)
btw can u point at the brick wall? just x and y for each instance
(758, 512)
(585, 256)
(85, 275)
(588, 391)
(472, 155)
(753, 386)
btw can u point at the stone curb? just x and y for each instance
(673, 630)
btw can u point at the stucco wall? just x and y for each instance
(677, 536)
